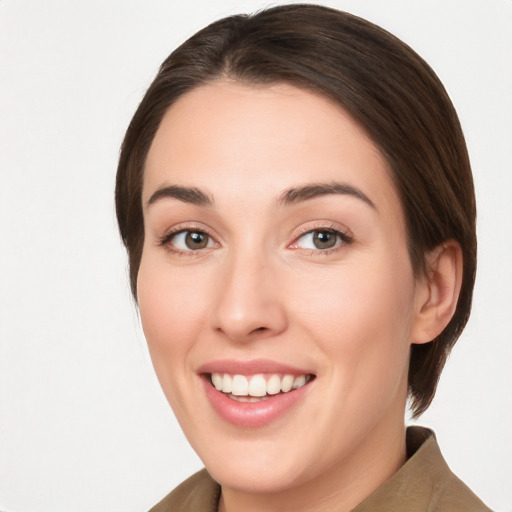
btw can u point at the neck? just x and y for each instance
(340, 489)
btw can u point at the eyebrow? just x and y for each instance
(289, 197)
(191, 195)
(313, 190)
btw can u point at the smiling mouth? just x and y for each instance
(258, 387)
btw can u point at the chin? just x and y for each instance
(251, 478)
(258, 463)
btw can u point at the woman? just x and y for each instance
(296, 199)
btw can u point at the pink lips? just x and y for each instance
(250, 414)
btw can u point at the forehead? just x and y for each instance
(262, 139)
(279, 115)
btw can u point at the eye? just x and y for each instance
(188, 240)
(321, 240)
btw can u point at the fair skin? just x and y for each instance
(240, 274)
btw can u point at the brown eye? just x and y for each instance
(196, 240)
(189, 240)
(324, 239)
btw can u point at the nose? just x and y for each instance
(249, 303)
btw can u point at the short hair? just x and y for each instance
(388, 89)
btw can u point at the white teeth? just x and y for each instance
(240, 385)
(227, 384)
(217, 381)
(287, 383)
(250, 399)
(299, 381)
(256, 386)
(274, 385)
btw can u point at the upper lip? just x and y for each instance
(251, 367)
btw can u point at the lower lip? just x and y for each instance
(252, 414)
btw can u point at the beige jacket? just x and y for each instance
(423, 484)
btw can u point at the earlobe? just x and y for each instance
(437, 292)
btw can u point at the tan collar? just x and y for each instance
(423, 484)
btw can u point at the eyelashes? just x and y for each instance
(312, 240)
(187, 241)
(321, 239)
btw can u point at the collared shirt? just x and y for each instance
(423, 484)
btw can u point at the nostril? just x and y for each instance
(260, 329)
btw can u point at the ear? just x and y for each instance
(437, 292)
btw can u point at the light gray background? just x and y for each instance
(84, 425)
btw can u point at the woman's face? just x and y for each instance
(275, 257)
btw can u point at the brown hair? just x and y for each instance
(386, 87)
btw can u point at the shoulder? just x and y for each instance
(443, 489)
(423, 483)
(455, 496)
(199, 493)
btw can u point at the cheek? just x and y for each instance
(368, 345)
(171, 306)
(361, 316)
(170, 299)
